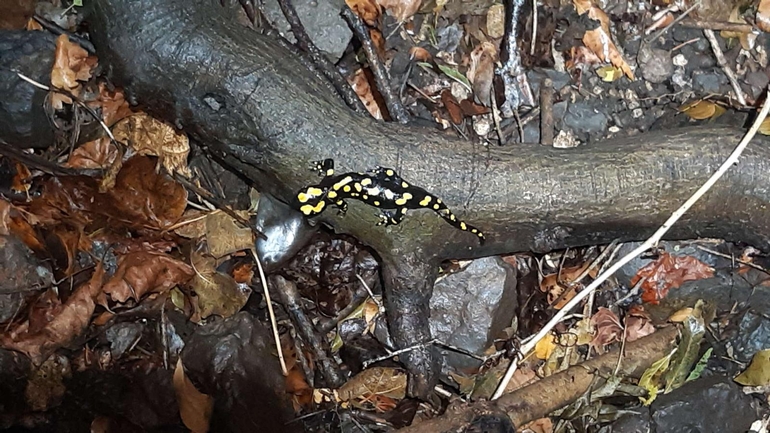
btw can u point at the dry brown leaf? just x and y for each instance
(608, 329)
(100, 153)
(387, 381)
(402, 10)
(555, 285)
(72, 64)
(540, 425)
(368, 10)
(420, 54)
(599, 39)
(496, 21)
(216, 293)
(452, 107)
(360, 85)
(225, 235)
(702, 109)
(669, 272)
(481, 72)
(148, 136)
(195, 407)
(70, 320)
(142, 272)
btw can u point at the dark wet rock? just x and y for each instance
(713, 404)
(122, 337)
(470, 308)
(753, 332)
(708, 81)
(322, 22)
(233, 361)
(449, 37)
(20, 270)
(584, 119)
(537, 75)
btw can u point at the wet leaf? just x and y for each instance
(700, 366)
(97, 154)
(420, 54)
(758, 372)
(609, 73)
(764, 127)
(668, 272)
(452, 107)
(679, 316)
(217, 293)
(114, 105)
(651, 378)
(195, 407)
(702, 109)
(545, 347)
(455, 75)
(637, 323)
(142, 272)
(68, 323)
(687, 351)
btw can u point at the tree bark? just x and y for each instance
(253, 104)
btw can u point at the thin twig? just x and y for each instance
(380, 307)
(727, 256)
(718, 25)
(269, 303)
(534, 28)
(675, 22)
(650, 242)
(395, 106)
(725, 67)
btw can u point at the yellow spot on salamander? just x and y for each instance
(436, 206)
(330, 172)
(332, 194)
(407, 196)
(390, 172)
(346, 188)
(404, 185)
(403, 210)
(366, 181)
(302, 197)
(474, 231)
(463, 226)
(315, 192)
(346, 180)
(365, 197)
(376, 203)
(400, 201)
(425, 201)
(310, 209)
(357, 186)
(452, 217)
(438, 200)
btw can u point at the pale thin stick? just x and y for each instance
(725, 67)
(673, 23)
(272, 314)
(732, 159)
(534, 31)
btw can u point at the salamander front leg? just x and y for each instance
(324, 168)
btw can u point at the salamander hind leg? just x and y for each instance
(391, 218)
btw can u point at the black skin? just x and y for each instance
(381, 187)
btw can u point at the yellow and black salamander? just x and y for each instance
(381, 187)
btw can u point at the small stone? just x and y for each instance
(496, 21)
(656, 64)
(680, 60)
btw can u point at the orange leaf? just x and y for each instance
(195, 407)
(368, 10)
(402, 10)
(669, 272)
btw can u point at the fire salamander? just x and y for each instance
(381, 187)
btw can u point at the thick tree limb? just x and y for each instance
(255, 107)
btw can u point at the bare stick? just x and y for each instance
(392, 101)
(732, 159)
(673, 23)
(534, 28)
(725, 67)
(718, 25)
(546, 112)
(269, 303)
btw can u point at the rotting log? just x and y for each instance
(253, 105)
